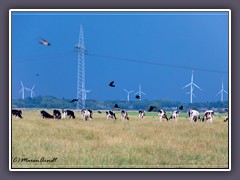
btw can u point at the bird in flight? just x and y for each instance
(74, 100)
(44, 42)
(181, 107)
(116, 106)
(137, 97)
(151, 108)
(111, 84)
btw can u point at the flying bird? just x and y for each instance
(111, 84)
(99, 112)
(181, 107)
(151, 108)
(74, 100)
(137, 97)
(44, 42)
(116, 106)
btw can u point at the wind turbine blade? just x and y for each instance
(143, 93)
(27, 89)
(21, 83)
(193, 95)
(188, 93)
(218, 92)
(186, 85)
(131, 92)
(197, 86)
(21, 90)
(125, 90)
(33, 87)
(225, 91)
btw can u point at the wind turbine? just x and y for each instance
(191, 84)
(22, 90)
(85, 93)
(31, 91)
(140, 92)
(222, 91)
(128, 92)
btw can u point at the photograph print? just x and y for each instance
(119, 90)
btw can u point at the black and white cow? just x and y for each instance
(162, 114)
(46, 115)
(194, 115)
(225, 120)
(86, 114)
(141, 114)
(208, 116)
(110, 114)
(68, 113)
(91, 113)
(174, 115)
(124, 115)
(57, 114)
(17, 113)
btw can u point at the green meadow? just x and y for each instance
(102, 143)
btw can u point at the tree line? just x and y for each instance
(168, 105)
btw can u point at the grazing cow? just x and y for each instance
(46, 115)
(225, 120)
(91, 113)
(68, 113)
(174, 115)
(57, 114)
(194, 115)
(86, 114)
(208, 116)
(141, 113)
(162, 114)
(110, 114)
(124, 115)
(17, 113)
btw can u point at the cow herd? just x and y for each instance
(194, 115)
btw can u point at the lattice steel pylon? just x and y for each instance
(81, 91)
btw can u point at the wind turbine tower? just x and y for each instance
(128, 92)
(222, 91)
(81, 91)
(22, 90)
(191, 84)
(140, 92)
(85, 93)
(31, 90)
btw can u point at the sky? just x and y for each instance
(157, 50)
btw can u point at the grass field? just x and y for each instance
(102, 143)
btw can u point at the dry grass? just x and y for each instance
(102, 143)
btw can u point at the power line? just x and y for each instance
(126, 60)
(156, 63)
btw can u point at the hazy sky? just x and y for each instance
(158, 50)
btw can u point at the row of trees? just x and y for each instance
(53, 102)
